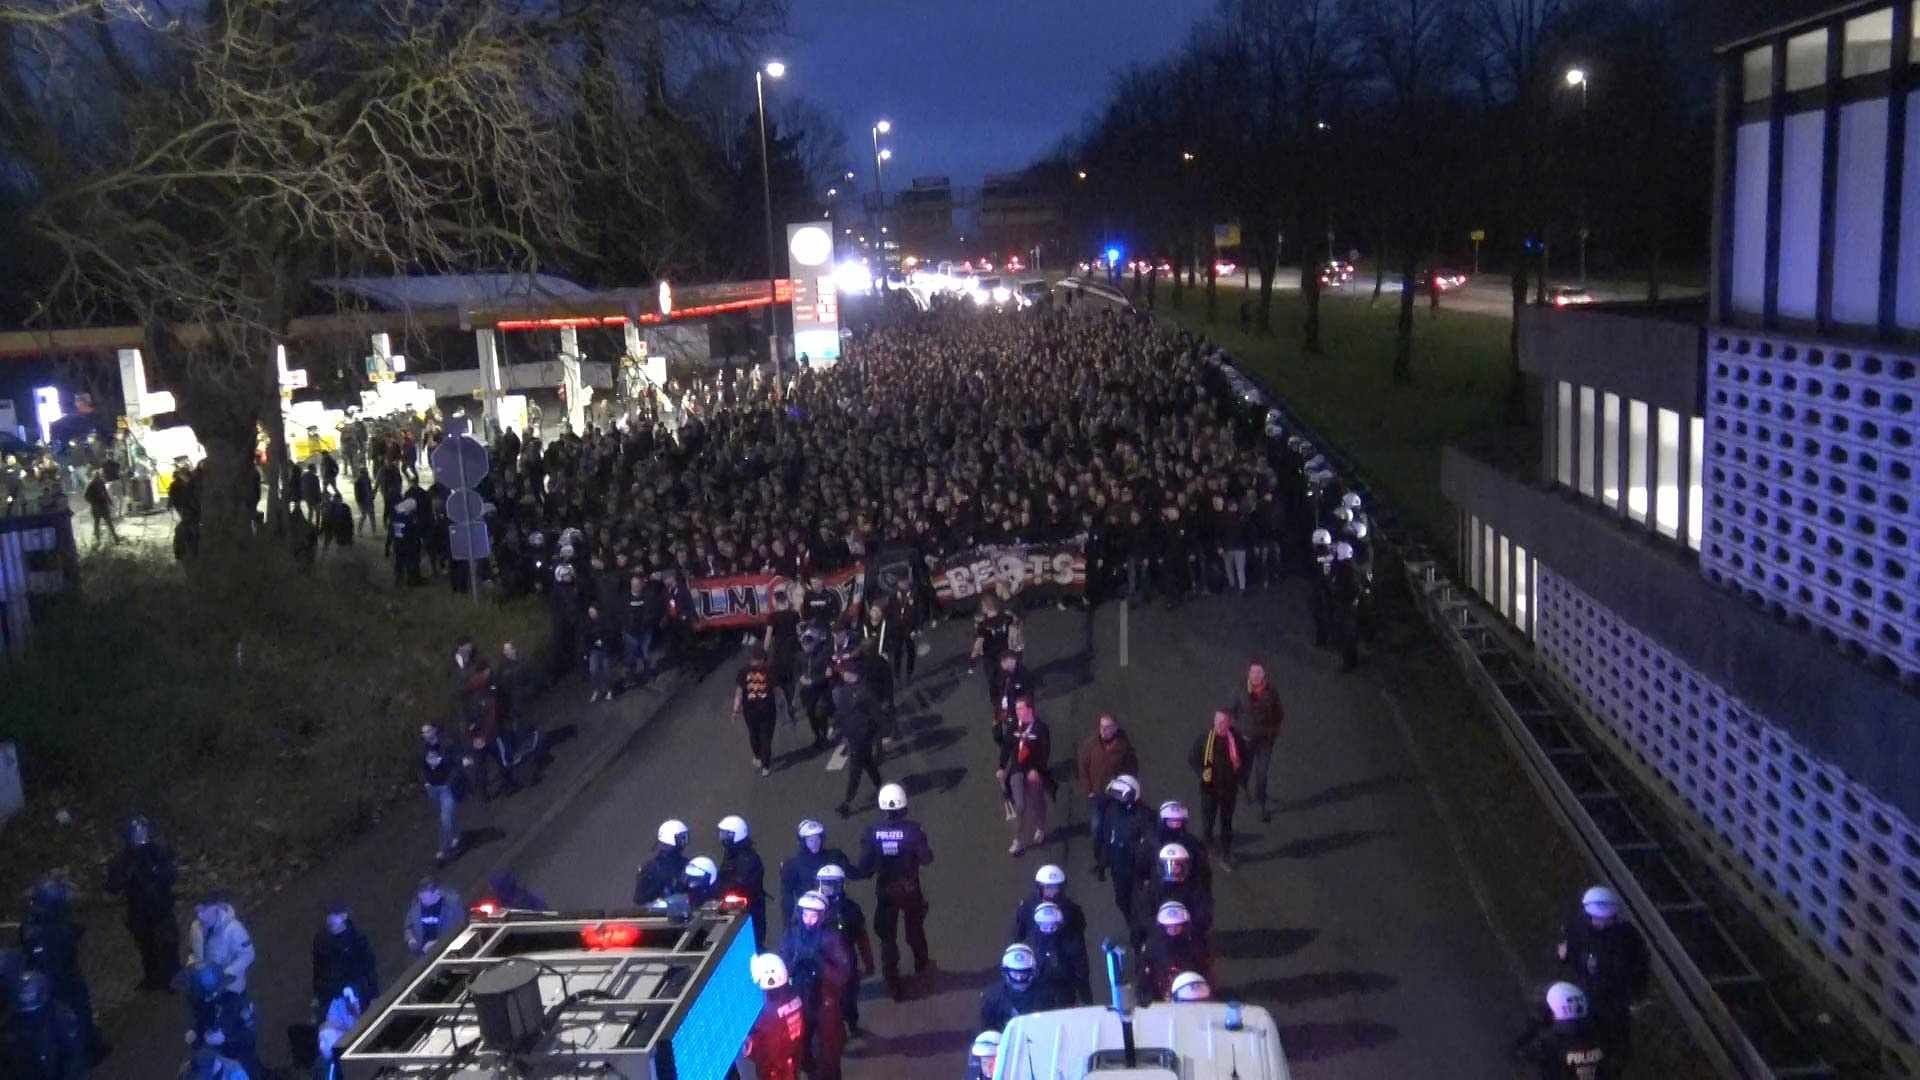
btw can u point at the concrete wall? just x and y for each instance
(1652, 354)
(1860, 722)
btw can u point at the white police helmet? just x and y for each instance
(893, 797)
(1342, 551)
(1173, 810)
(811, 900)
(831, 879)
(1173, 913)
(1600, 902)
(672, 831)
(810, 827)
(702, 867)
(1018, 963)
(1124, 788)
(1566, 1001)
(1048, 916)
(1343, 514)
(733, 828)
(1358, 529)
(986, 1048)
(1050, 875)
(1191, 986)
(1321, 538)
(563, 573)
(769, 971)
(1175, 862)
(1351, 500)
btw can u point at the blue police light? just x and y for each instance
(1113, 256)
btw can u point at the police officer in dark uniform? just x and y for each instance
(1018, 992)
(222, 1019)
(1049, 886)
(41, 1039)
(1063, 970)
(662, 874)
(1606, 956)
(816, 679)
(821, 967)
(892, 852)
(777, 1044)
(1565, 1045)
(849, 920)
(800, 872)
(742, 873)
(1174, 880)
(1124, 830)
(856, 712)
(144, 872)
(1173, 830)
(1320, 590)
(1171, 950)
(404, 535)
(1345, 588)
(50, 944)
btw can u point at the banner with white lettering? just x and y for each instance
(748, 600)
(962, 577)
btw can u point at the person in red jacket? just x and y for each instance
(1023, 774)
(778, 1040)
(1260, 715)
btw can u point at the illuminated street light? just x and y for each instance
(883, 126)
(1186, 155)
(832, 191)
(1082, 174)
(886, 154)
(1320, 125)
(1576, 77)
(775, 69)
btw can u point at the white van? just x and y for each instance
(1200, 1040)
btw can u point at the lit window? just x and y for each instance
(1473, 564)
(1522, 588)
(1696, 501)
(1586, 441)
(1806, 60)
(1610, 450)
(1868, 44)
(1756, 74)
(1563, 461)
(1637, 460)
(1487, 589)
(1506, 578)
(1666, 480)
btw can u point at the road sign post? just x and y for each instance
(461, 462)
(1477, 236)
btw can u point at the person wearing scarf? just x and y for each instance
(1220, 758)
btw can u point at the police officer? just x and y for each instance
(1566, 1045)
(856, 712)
(1124, 831)
(846, 918)
(1018, 992)
(1061, 954)
(1320, 593)
(42, 1038)
(662, 873)
(821, 967)
(404, 536)
(983, 1056)
(144, 872)
(1049, 886)
(221, 1018)
(816, 679)
(50, 944)
(1173, 830)
(699, 883)
(892, 852)
(1191, 986)
(801, 870)
(1174, 880)
(1170, 951)
(1345, 587)
(206, 1063)
(1605, 954)
(743, 874)
(777, 1044)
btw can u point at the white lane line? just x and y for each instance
(1457, 842)
(1124, 605)
(839, 759)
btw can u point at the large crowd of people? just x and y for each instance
(938, 433)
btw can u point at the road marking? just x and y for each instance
(839, 759)
(1457, 842)
(1124, 605)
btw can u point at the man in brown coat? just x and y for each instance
(1259, 714)
(1105, 754)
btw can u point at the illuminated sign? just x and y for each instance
(816, 303)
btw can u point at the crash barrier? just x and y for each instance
(748, 600)
(1726, 1001)
(37, 560)
(1722, 997)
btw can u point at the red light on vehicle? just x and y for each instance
(486, 909)
(734, 901)
(604, 936)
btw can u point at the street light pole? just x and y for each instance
(772, 70)
(1578, 77)
(880, 128)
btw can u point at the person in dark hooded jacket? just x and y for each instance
(342, 957)
(144, 872)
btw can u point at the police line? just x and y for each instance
(747, 600)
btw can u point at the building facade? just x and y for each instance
(1717, 553)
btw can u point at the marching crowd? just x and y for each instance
(938, 434)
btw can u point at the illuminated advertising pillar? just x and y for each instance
(816, 306)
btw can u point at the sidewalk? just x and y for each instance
(376, 874)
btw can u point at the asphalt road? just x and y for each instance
(1350, 916)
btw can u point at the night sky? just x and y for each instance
(972, 86)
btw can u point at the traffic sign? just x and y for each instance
(459, 461)
(1477, 236)
(465, 505)
(469, 543)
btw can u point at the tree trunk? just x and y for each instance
(1403, 329)
(1309, 298)
(1213, 294)
(1379, 268)
(1516, 381)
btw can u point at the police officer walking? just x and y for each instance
(800, 872)
(144, 873)
(742, 873)
(821, 966)
(222, 1018)
(777, 1044)
(849, 920)
(1169, 952)
(1061, 955)
(42, 1038)
(1607, 957)
(892, 852)
(856, 711)
(1124, 831)
(1018, 992)
(50, 945)
(1566, 1045)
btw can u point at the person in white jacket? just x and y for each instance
(219, 938)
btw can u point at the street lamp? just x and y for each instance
(1186, 155)
(773, 69)
(1577, 77)
(880, 127)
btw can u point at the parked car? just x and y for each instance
(1568, 295)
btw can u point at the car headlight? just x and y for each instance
(1002, 295)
